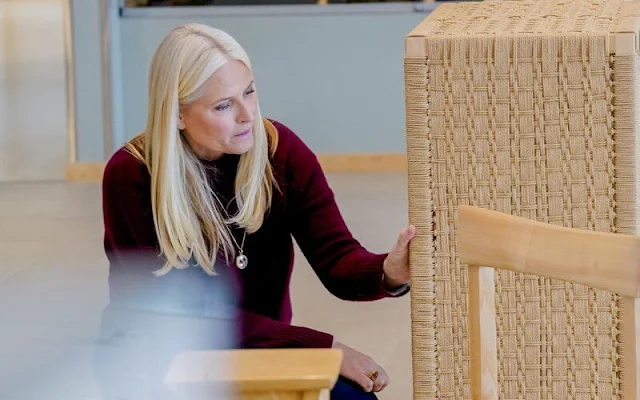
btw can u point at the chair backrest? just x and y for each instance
(282, 374)
(489, 240)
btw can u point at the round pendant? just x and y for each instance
(242, 261)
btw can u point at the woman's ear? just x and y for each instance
(180, 123)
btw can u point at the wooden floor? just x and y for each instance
(53, 285)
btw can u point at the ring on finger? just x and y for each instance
(373, 376)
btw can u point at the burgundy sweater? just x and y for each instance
(303, 208)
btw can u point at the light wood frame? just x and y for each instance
(255, 374)
(488, 239)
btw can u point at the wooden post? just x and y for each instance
(482, 324)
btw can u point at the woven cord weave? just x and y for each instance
(626, 146)
(522, 125)
(423, 310)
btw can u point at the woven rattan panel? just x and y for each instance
(539, 125)
(504, 18)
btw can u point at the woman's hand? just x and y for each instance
(396, 265)
(361, 369)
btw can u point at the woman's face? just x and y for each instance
(221, 120)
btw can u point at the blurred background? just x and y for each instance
(73, 89)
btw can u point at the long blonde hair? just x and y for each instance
(187, 215)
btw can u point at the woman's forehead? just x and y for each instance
(229, 80)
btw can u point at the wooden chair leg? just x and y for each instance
(482, 324)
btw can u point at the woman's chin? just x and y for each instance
(240, 147)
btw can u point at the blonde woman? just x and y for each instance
(208, 199)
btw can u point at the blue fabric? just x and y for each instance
(345, 389)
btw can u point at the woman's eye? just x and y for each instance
(223, 107)
(250, 91)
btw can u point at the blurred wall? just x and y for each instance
(33, 102)
(334, 74)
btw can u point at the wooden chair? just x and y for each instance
(264, 374)
(488, 240)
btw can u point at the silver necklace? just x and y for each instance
(241, 260)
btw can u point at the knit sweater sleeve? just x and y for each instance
(345, 267)
(131, 246)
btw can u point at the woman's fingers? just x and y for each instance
(361, 369)
(381, 381)
(365, 382)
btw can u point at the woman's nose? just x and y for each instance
(245, 114)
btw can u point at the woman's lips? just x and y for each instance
(244, 133)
